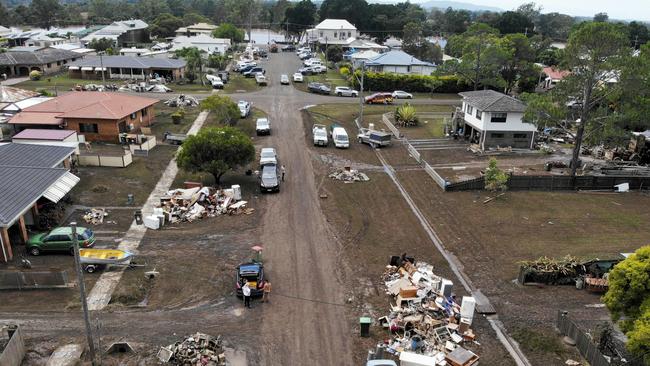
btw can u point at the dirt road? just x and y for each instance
(300, 253)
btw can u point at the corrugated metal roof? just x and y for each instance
(335, 24)
(38, 57)
(21, 187)
(130, 62)
(61, 187)
(43, 134)
(492, 101)
(396, 58)
(27, 155)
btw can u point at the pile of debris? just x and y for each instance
(196, 350)
(182, 101)
(551, 271)
(349, 175)
(95, 216)
(426, 321)
(187, 205)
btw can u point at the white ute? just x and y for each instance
(340, 138)
(268, 156)
(244, 108)
(320, 135)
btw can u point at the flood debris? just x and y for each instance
(349, 175)
(95, 216)
(187, 205)
(196, 350)
(182, 101)
(426, 320)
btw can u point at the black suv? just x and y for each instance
(270, 178)
(253, 272)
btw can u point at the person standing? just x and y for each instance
(266, 295)
(283, 172)
(246, 292)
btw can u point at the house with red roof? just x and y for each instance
(99, 116)
(553, 76)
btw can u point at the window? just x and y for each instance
(58, 63)
(60, 237)
(334, 34)
(320, 34)
(470, 109)
(499, 117)
(133, 115)
(49, 65)
(121, 126)
(144, 112)
(88, 127)
(478, 114)
(349, 34)
(496, 135)
(520, 135)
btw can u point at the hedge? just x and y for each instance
(382, 81)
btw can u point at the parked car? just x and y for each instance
(263, 53)
(297, 78)
(253, 273)
(400, 94)
(270, 178)
(373, 138)
(252, 72)
(260, 79)
(344, 91)
(284, 79)
(339, 136)
(320, 135)
(268, 156)
(244, 108)
(288, 48)
(215, 81)
(319, 69)
(263, 126)
(303, 50)
(243, 64)
(59, 240)
(318, 88)
(307, 71)
(246, 67)
(379, 98)
(304, 56)
(312, 62)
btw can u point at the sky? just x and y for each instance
(619, 9)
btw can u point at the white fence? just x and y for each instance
(107, 161)
(144, 147)
(390, 125)
(434, 175)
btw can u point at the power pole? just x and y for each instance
(363, 72)
(101, 64)
(82, 292)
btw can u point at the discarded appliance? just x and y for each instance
(348, 175)
(426, 322)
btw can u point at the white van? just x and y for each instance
(340, 138)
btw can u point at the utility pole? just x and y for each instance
(363, 72)
(82, 292)
(101, 64)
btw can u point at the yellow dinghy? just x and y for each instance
(103, 256)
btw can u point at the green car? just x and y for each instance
(60, 240)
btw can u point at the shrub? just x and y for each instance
(495, 178)
(177, 118)
(344, 71)
(45, 93)
(405, 115)
(382, 81)
(35, 75)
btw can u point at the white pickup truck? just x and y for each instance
(320, 135)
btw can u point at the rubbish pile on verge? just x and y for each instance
(95, 216)
(348, 175)
(182, 101)
(187, 205)
(427, 323)
(198, 349)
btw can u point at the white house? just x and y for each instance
(332, 32)
(359, 44)
(399, 62)
(203, 42)
(196, 29)
(358, 58)
(493, 119)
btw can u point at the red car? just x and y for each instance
(379, 98)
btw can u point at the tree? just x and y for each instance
(354, 11)
(334, 53)
(176, 7)
(601, 17)
(218, 62)
(639, 34)
(4, 15)
(300, 16)
(165, 25)
(278, 12)
(45, 12)
(531, 11)
(519, 66)
(455, 21)
(194, 66)
(225, 110)
(229, 31)
(551, 56)
(194, 18)
(495, 178)
(415, 44)
(555, 26)
(482, 54)
(594, 50)
(150, 9)
(101, 44)
(629, 296)
(243, 12)
(216, 151)
(514, 22)
(634, 92)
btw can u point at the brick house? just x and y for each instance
(99, 116)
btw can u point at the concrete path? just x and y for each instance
(101, 293)
(14, 81)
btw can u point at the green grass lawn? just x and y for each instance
(163, 121)
(332, 79)
(238, 83)
(246, 125)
